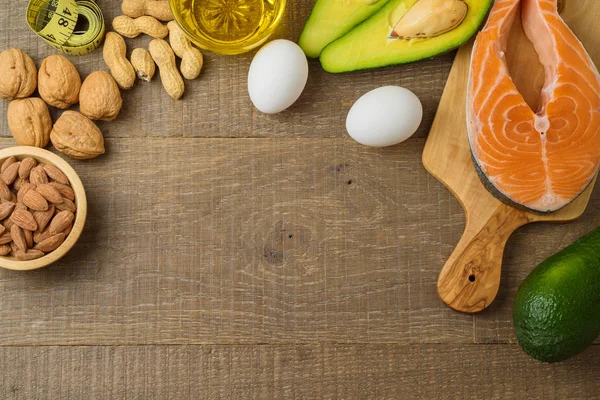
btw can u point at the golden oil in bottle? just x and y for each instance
(228, 26)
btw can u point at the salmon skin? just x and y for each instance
(538, 160)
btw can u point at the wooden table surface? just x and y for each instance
(234, 255)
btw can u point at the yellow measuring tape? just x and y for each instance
(75, 27)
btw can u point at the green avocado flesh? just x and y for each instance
(331, 19)
(557, 308)
(369, 46)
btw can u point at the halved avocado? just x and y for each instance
(331, 19)
(369, 44)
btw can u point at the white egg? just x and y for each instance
(277, 76)
(384, 117)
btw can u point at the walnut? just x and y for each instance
(77, 136)
(29, 121)
(18, 75)
(59, 82)
(99, 97)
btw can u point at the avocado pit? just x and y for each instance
(430, 18)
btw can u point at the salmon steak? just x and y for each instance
(541, 160)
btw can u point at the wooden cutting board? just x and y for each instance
(470, 279)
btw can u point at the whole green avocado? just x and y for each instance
(557, 308)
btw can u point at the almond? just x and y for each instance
(19, 182)
(35, 201)
(27, 164)
(25, 220)
(7, 163)
(6, 238)
(18, 236)
(56, 174)
(38, 176)
(64, 190)
(68, 230)
(66, 205)
(29, 255)
(4, 250)
(29, 238)
(60, 221)
(5, 192)
(37, 208)
(6, 209)
(24, 189)
(50, 193)
(10, 174)
(40, 236)
(51, 244)
(43, 217)
(7, 223)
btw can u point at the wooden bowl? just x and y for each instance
(47, 157)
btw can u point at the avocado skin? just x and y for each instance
(557, 308)
(319, 31)
(368, 45)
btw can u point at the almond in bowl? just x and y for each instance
(42, 208)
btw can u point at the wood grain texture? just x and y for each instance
(258, 241)
(246, 241)
(369, 372)
(233, 255)
(470, 279)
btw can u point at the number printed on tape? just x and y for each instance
(55, 21)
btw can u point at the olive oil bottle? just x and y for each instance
(228, 26)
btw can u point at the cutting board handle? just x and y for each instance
(470, 280)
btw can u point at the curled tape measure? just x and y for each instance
(75, 27)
